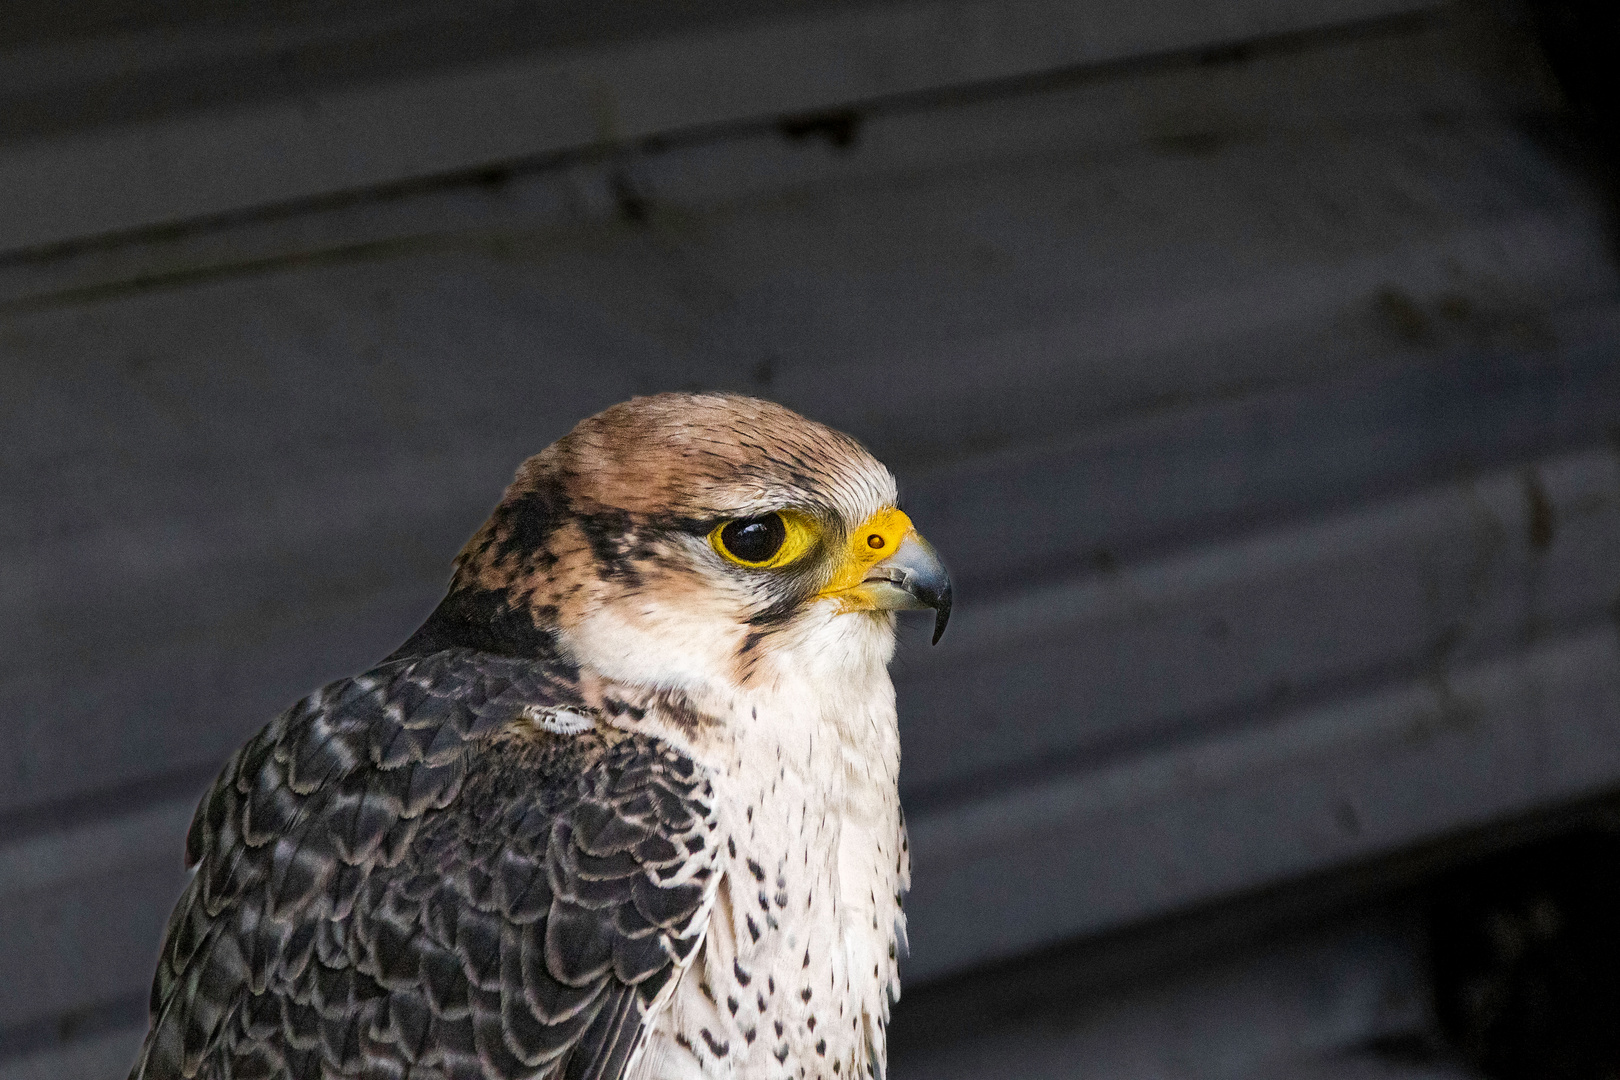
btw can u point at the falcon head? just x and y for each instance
(683, 540)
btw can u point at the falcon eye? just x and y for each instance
(767, 541)
(753, 541)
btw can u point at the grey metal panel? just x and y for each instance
(1115, 664)
(211, 163)
(1285, 1009)
(103, 1056)
(1152, 483)
(84, 942)
(1239, 810)
(82, 909)
(1345, 150)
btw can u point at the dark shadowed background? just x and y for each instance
(1255, 364)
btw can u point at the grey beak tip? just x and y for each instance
(916, 571)
(942, 614)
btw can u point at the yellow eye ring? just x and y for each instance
(766, 541)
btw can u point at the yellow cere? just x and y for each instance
(877, 538)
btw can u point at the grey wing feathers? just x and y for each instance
(393, 882)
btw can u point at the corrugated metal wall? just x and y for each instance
(1252, 362)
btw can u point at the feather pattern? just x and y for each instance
(406, 874)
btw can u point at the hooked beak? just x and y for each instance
(911, 579)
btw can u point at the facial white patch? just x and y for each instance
(642, 643)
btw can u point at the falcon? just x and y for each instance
(623, 808)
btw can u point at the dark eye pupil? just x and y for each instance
(754, 539)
